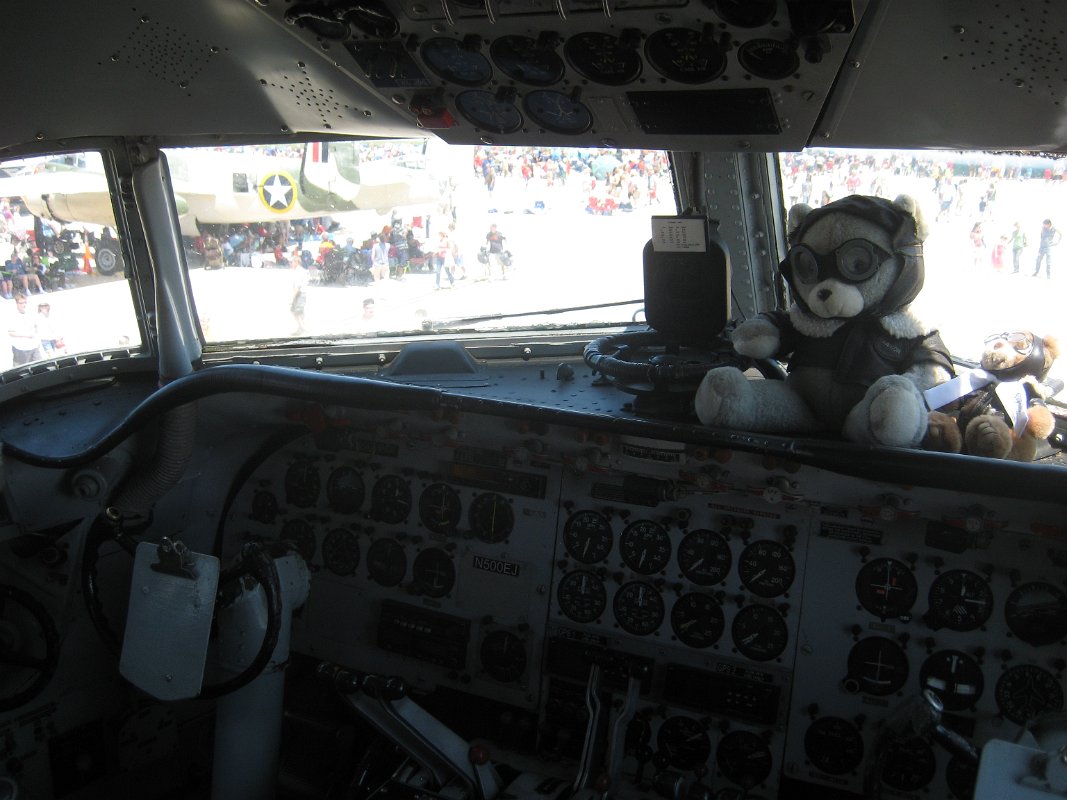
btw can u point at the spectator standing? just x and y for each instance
(51, 342)
(213, 256)
(1018, 244)
(495, 241)
(1050, 237)
(299, 295)
(379, 258)
(978, 243)
(445, 262)
(22, 328)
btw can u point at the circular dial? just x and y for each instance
(961, 775)
(386, 562)
(433, 573)
(878, 666)
(582, 596)
(744, 758)
(638, 608)
(340, 552)
(302, 484)
(29, 647)
(451, 61)
(960, 601)
(440, 508)
(503, 656)
(390, 499)
(704, 557)
(301, 535)
(909, 764)
(484, 111)
(556, 112)
(523, 59)
(1037, 613)
(587, 536)
(697, 620)
(766, 568)
(684, 55)
(645, 547)
(684, 742)
(886, 588)
(344, 490)
(1025, 691)
(264, 506)
(759, 632)
(491, 517)
(602, 58)
(833, 745)
(768, 58)
(954, 677)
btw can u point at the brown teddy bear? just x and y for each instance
(1004, 416)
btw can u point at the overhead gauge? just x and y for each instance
(451, 61)
(582, 596)
(1024, 692)
(302, 483)
(645, 546)
(877, 666)
(744, 758)
(386, 562)
(1036, 612)
(344, 490)
(766, 568)
(390, 499)
(340, 552)
(909, 764)
(887, 588)
(587, 536)
(301, 534)
(960, 601)
(440, 508)
(684, 742)
(704, 557)
(759, 632)
(954, 677)
(697, 620)
(483, 110)
(603, 58)
(503, 656)
(638, 608)
(685, 55)
(525, 60)
(770, 59)
(491, 517)
(833, 745)
(557, 112)
(433, 573)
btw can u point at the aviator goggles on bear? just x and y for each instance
(854, 261)
(1020, 341)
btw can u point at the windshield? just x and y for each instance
(992, 264)
(378, 238)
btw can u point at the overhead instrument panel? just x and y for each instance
(720, 74)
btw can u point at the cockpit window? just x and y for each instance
(63, 290)
(992, 262)
(372, 239)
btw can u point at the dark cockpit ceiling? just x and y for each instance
(764, 75)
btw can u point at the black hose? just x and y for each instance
(298, 384)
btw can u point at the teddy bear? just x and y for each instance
(1002, 414)
(858, 359)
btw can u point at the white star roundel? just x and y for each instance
(278, 192)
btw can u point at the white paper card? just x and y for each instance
(678, 235)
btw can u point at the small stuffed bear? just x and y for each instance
(1015, 366)
(858, 360)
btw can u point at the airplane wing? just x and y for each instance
(66, 196)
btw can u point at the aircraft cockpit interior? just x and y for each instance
(533, 400)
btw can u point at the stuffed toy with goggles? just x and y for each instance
(998, 410)
(858, 360)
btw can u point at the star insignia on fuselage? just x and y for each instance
(278, 192)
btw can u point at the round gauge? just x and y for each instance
(390, 499)
(638, 608)
(386, 562)
(582, 596)
(302, 484)
(602, 58)
(886, 588)
(833, 745)
(766, 568)
(300, 534)
(759, 632)
(491, 517)
(961, 775)
(264, 506)
(484, 111)
(685, 55)
(1025, 691)
(340, 552)
(587, 536)
(704, 557)
(440, 508)
(556, 112)
(645, 547)
(960, 601)
(433, 573)
(344, 490)
(877, 665)
(684, 742)
(697, 620)
(745, 13)
(1036, 612)
(449, 60)
(503, 656)
(768, 58)
(954, 677)
(744, 758)
(523, 59)
(909, 764)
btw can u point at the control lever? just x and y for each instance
(436, 748)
